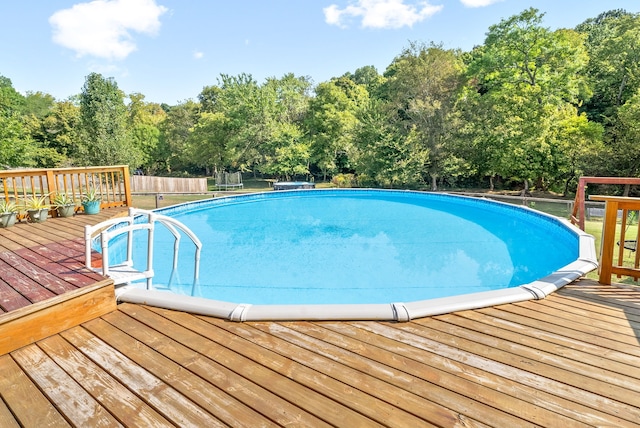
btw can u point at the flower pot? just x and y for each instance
(66, 210)
(8, 219)
(91, 207)
(39, 215)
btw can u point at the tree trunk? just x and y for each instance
(525, 191)
(566, 184)
(491, 183)
(434, 182)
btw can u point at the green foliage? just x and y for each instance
(172, 151)
(387, 157)
(144, 121)
(103, 125)
(11, 101)
(623, 152)
(33, 203)
(91, 195)
(38, 104)
(332, 121)
(614, 62)
(527, 78)
(530, 105)
(344, 180)
(62, 199)
(421, 90)
(7, 206)
(16, 146)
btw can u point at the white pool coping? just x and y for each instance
(398, 311)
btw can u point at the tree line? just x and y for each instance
(529, 107)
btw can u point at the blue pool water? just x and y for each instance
(358, 246)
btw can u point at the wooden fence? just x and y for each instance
(149, 184)
(613, 236)
(111, 183)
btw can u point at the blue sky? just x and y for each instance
(168, 50)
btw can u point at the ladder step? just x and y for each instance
(122, 274)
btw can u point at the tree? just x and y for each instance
(387, 156)
(248, 126)
(422, 87)
(11, 101)
(623, 154)
(103, 125)
(60, 130)
(331, 124)
(286, 101)
(614, 62)
(525, 76)
(172, 153)
(208, 142)
(16, 147)
(143, 123)
(38, 104)
(290, 155)
(614, 71)
(369, 77)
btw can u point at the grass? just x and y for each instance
(595, 228)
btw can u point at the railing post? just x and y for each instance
(127, 185)
(580, 201)
(608, 240)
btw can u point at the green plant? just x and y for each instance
(36, 203)
(91, 195)
(7, 207)
(62, 200)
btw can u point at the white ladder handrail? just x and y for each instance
(111, 228)
(90, 230)
(171, 224)
(108, 235)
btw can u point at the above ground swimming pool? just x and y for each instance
(360, 254)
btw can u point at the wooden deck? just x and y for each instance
(572, 359)
(39, 261)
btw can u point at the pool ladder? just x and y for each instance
(138, 219)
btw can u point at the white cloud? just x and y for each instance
(478, 3)
(198, 55)
(380, 13)
(102, 28)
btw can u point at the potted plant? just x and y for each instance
(37, 208)
(91, 201)
(8, 213)
(64, 204)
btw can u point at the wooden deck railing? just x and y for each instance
(578, 215)
(613, 236)
(110, 182)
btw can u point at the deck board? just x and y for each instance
(10, 299)
(570, 360)
(165, 399)
(43, 260)
(189, 384)
(106, 390)
(28, 404)
(297, 384)
(62, 390)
